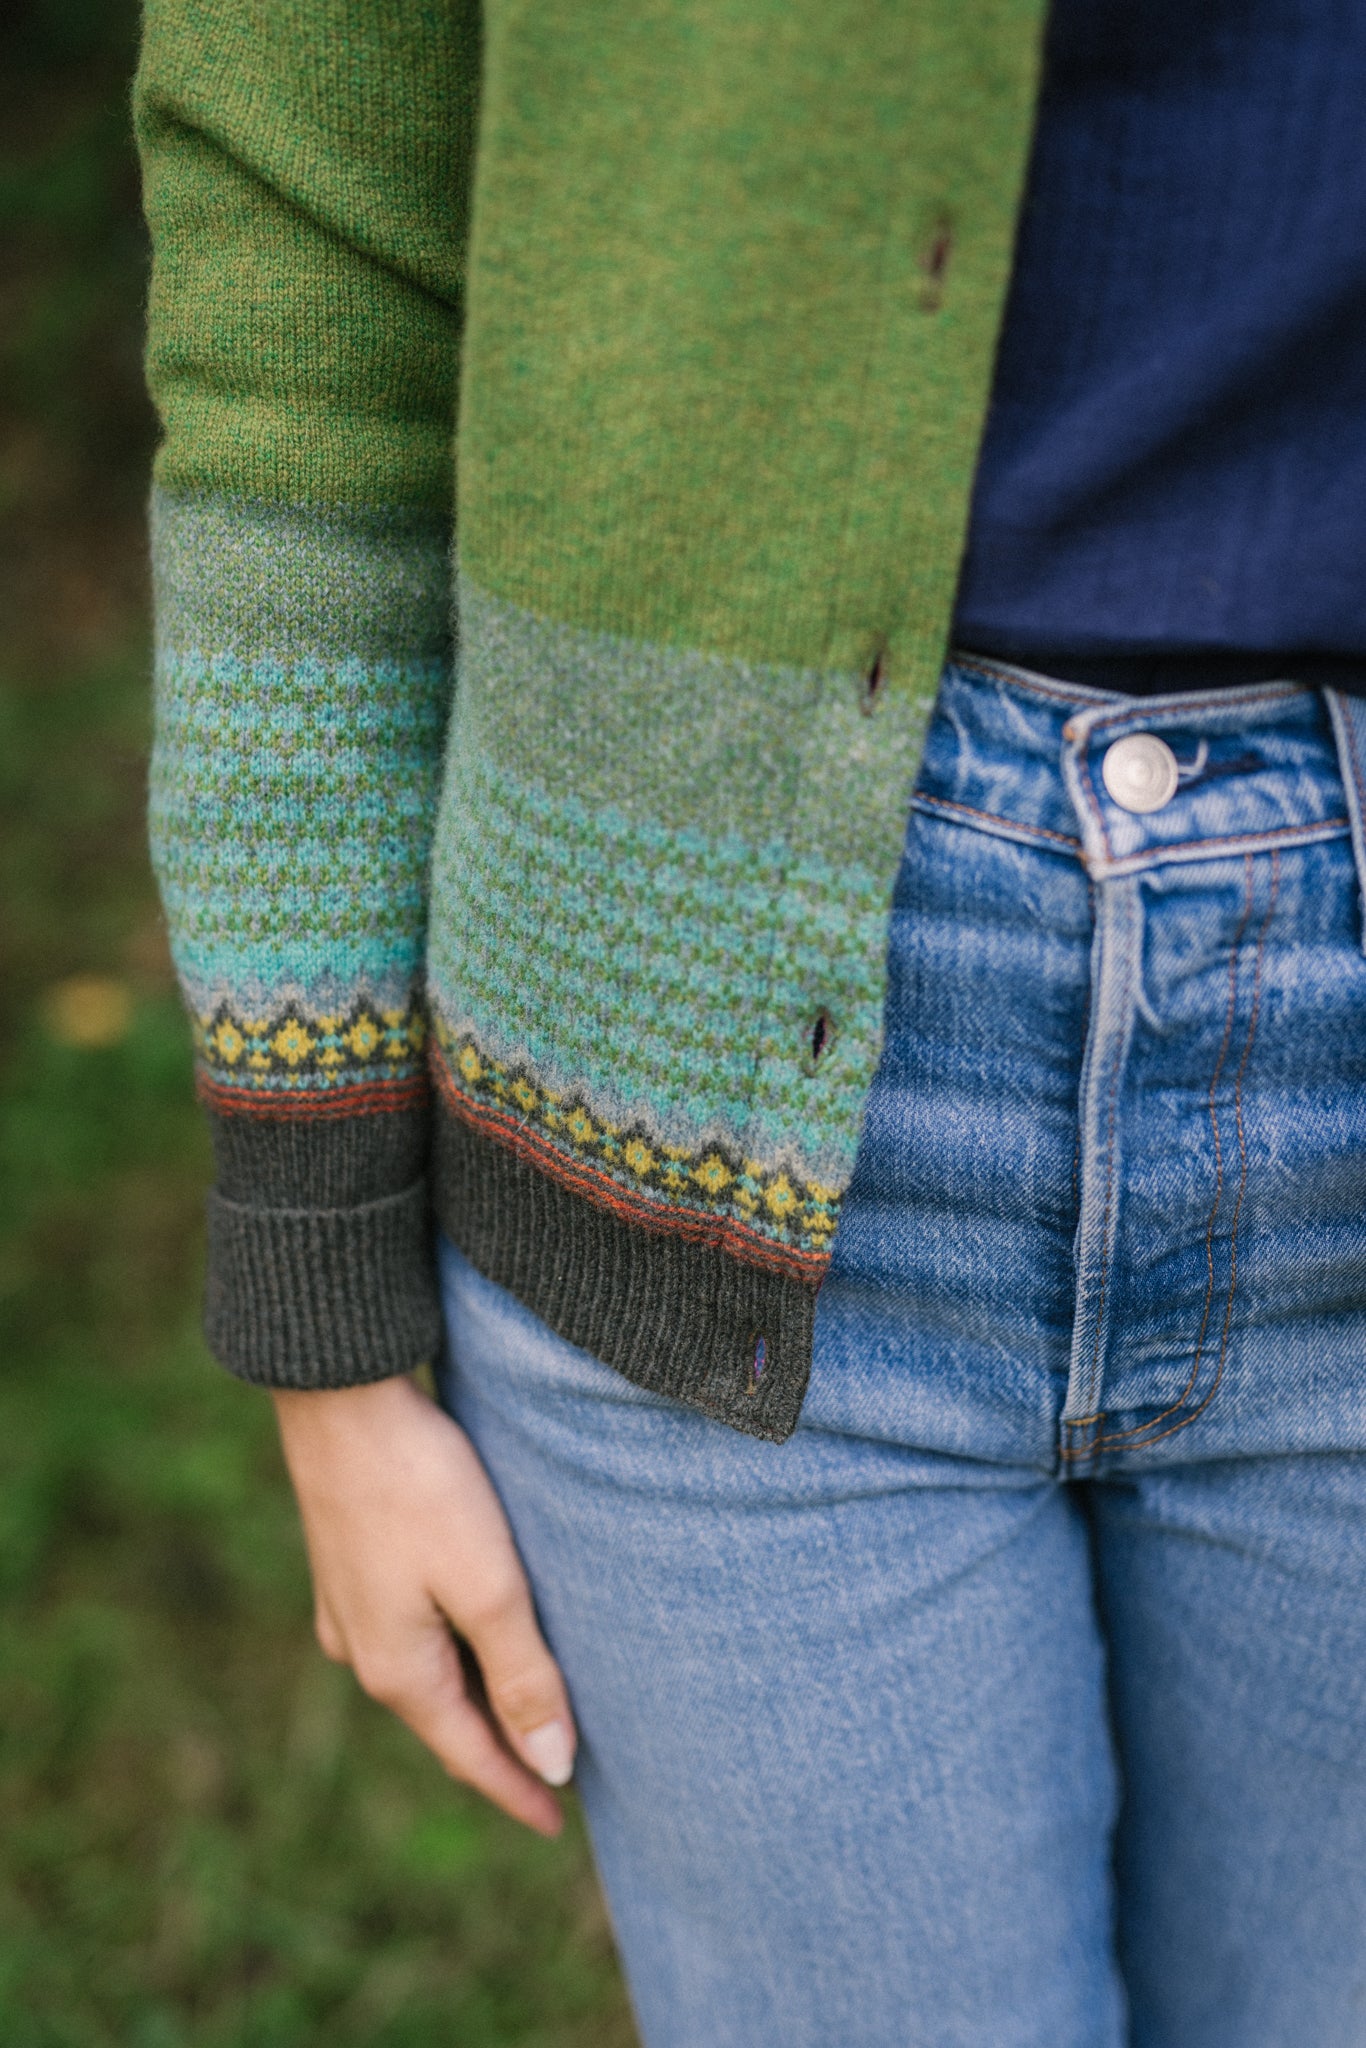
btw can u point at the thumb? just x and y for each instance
(524, 1688)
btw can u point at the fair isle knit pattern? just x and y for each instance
(297, 1061)
(653, 966)
(768, 1216)
(551, 895)
(303, 678)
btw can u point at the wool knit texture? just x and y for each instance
(660, 402)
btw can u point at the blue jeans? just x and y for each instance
(1021, 1697)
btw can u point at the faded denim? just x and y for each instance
(1019, 1701)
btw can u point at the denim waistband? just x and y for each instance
(1020, 755)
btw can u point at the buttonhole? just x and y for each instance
(758, 1359)
(822, 1032)
(934, 266)
(874, 683)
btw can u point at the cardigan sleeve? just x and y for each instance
(305, 174)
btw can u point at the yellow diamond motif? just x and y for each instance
(292, 1043)
(363, 1037)
(524, 1094)
(780, 1197)
(229, 1043)
(639, 1158)
(713, 1174)
(470, 1064)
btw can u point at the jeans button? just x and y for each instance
(1140, 772)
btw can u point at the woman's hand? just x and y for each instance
(407, 1540)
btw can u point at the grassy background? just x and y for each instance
(206, 1834)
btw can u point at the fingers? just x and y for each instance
(521, 1679)
(426, 1691)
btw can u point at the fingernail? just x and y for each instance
(550, 1751)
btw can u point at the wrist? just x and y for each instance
(319, 1415)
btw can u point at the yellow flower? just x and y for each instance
(229, 1043)
(292, 1042)
(713, 1174)
(640, 1158)
(524, 1094)
(581, 1127)
(470, 1064)
(780, 1197)
(363, 1036)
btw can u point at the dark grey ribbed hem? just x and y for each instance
(680, 1319)
(322, 1297)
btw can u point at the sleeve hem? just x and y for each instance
(317, 1298)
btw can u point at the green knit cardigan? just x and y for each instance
(570, 409)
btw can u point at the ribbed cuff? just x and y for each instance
(312, 1298)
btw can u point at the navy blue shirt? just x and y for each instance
(1174, 461)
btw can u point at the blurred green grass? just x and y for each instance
(206, 1834)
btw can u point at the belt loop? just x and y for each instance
(1348, 714)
